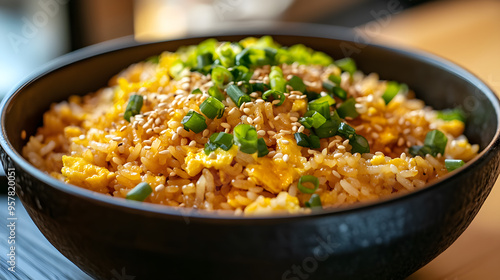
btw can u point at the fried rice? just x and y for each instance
(86, 141)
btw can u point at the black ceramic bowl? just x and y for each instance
(388, 239)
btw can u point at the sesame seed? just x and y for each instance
(271, 133)
(278, 155)
(345, 142)
(294, 119)
(260, 101)
(276, 102)
(286, 142)
(285, 131)
(336, 174)
(122, 129)
(175, 136)
(192, 143)
(286, 158)
(249, 120)
(147, 148)
(164, 152)
(401, 141)
(212, 156)
(246, 111)
(301, 128)
(261, 132)
(276, 118)
(150, 130)
(233, 110)
(254, 95)
(225, 125)
(160, 188)
(257, 119)
(337, 155)
(341, 147)
(294, 128)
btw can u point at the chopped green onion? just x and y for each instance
(153, 59)
(328, 86)
(321, 107)
(214, 91)
(452, 164)
(340, 93)
(391, 91)
(204, 62)
(308, 179)
(260, 87)
(328, 129)
(210, 147)
(419, 150)
(227, 52)
(335, 79)
(452, 114)
(262, 149)
(139, 192)
(314, 202)
(297, 84)
(312, 119)
(197, 91)
(278, 82)
(436, 140)
(348, 109)
(326, 98)
(241, 73)
(311, 95)
(194, 121)
(359, 144)
(272, 95)
(346, 130)
(314, 141)
(212, 108)
(221, 76)
(302, 139)
(238, 96)
(346, 64)
(134, 106)
(245, 136)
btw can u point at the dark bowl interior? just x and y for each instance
(389, 239)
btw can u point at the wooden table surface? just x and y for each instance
(467, 33)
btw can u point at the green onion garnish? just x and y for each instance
(194, 121)
(346, 130)
(391, 91)
(452, 164)
(139, 192)
(262, 149)
(348, 109)
(302, 139)
(260, 87)
(359, 144)
(221, 76)
(245, 136)
(272, 95)
(328, 129)
(212, 108)
(238, 96)
(297, 84)
(312, 95)
(452, 114)
(204, 62)
(314, 202)
(278, 82)
(215, 92)
(321, 107)
(436, 140)
(340, 93)
(335, 79)
(308, 179)
(153, 59)
(434, 144)
(346, 64)
(326, 98)
(312, 119)
(197, 91)
(219, 140)
(314, 141)
(134, 106)
(241, 73)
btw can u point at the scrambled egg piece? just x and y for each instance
(453, 127)
(276, 174)
(195, 162)
(79, 172)
(265, 205)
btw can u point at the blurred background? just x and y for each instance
(465, 31)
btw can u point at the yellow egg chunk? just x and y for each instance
(195, 162)
(79, 172)
(265, 205)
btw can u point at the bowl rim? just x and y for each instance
(153, 209)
